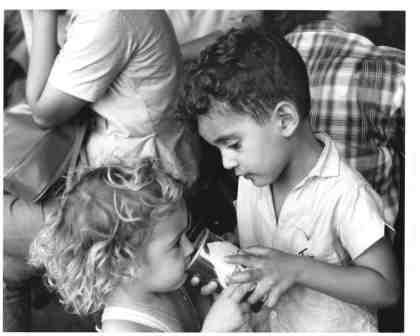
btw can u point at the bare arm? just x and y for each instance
(50, 106)
(371, 279)
(192, 49)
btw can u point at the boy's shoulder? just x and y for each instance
(348, 180)
(331, 169)
(348, 184)
(349, 177)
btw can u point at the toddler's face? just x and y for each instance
(255, 151)
(167, 253)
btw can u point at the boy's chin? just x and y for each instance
(260, 181)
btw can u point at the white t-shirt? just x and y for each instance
(333, 215)
(127, 64)
(193, 24)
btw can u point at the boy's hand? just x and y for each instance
(274, 271)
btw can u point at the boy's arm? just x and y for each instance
(371, 279)
(50, 106)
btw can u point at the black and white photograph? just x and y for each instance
(206, 170)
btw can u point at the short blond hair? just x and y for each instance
(87, 246)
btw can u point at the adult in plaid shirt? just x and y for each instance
(357, 93)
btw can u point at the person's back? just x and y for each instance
(190, 25)
(357, 93)
(127, 64)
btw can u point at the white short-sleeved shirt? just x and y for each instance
(127, 64)
(333, 215)
(193, 24)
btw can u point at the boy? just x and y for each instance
(312, 229)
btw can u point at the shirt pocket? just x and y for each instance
(313, 237)
(291, 239)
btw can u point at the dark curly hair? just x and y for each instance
(249, 69)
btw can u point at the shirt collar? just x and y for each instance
(328, 164)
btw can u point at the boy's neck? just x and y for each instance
(304, 157)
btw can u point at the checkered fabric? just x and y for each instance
(357, 96)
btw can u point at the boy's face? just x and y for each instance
(255, 151)
(167, 253)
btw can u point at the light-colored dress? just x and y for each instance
(165, 319)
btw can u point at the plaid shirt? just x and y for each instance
(357, 97)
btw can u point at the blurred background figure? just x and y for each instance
(15, 59)
(196, 29)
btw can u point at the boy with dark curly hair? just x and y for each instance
(311, 227)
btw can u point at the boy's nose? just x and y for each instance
(228, 161)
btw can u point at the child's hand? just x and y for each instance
(228, 313)
(274, 270)
(206, 289)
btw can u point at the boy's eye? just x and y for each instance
(234, 145)
(178, 243)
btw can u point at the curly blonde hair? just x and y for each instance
(87, 246)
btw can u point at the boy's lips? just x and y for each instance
(243, 174)
(248, 176)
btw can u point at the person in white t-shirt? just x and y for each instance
(126, 67)
(311, 229)
(196, 29)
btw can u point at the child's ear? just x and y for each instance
(286, 116)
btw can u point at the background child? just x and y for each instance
(312, 228)
(119, 241)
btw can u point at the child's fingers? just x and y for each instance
(257, 250)
(239, 291)
(242, 258)
(209, 288)
(247, 275)
(260, 293)
(195, 280)
(245, 307)
(275, 294)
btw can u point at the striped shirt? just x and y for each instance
(357, 97)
